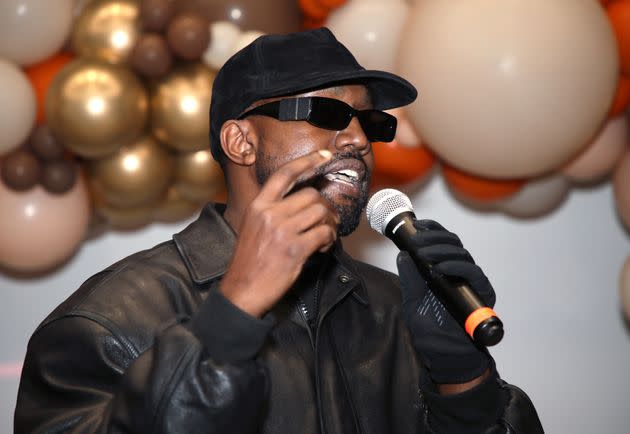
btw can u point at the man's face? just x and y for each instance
(344, 181)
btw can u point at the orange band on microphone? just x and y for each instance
(476, 318)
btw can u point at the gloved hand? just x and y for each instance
(449, 353)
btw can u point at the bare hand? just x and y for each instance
(278, 232)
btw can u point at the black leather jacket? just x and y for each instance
(149, 346)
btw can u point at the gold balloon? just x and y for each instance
(138, 174)
(180, 104)
(198, 177)
(175, 208)
(94, 107)
(107, 30)
(126, 219)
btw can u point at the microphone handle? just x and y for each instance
(463, 303)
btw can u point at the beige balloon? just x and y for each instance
(509, 89)
(198, 177)
(39, 230)
(598, 160)
(371, 30)
(624, 289)
(223, 36)
(137, 174)
(537, 198)
(94, 107)
(180, 103)
(406, 133)
(107, 30)
(621, 186)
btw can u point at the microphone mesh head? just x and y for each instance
(384, 205)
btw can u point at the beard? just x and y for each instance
(349, 210)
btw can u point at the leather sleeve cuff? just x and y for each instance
(460, 368)
(475, 410)
(227, 333)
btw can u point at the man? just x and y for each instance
(253, 319)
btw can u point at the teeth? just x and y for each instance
(349, 173)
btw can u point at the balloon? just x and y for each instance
(18, 100)
(44, 145)
(125, 219)
(59, 176)
(622, 97)
(198, 177)
(269, 16)
(188, 36)
(244, 39)
(39, 230)
(371, 30)
(33, 30)
(624, 289)
(479, 189)
(400, 164)
(406, 133)
(137, 174)
(93, 107)
(151, 56)
(599, 158)
(175, 208)
(41, 75)
(156, 14)
(537, 198)
(501, 102)
(223, 36)
(314, 9)
(180, 103)
(619, 16)
(107, 30)
(621, 184)
(20, 170)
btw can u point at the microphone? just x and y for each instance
(390, 213)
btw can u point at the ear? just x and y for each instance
(237, 142)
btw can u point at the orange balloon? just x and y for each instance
(41, 75)
(314, 10)
(622, 97)
(619, 16)
(310, 23)
(331, 4)
(480, 189)
(396, 164)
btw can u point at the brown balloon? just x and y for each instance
(59, 176)
(269, 16)
(188, 36)
(198, 177)
(180, 103)
(107, 30)
(174, 208)
(93, 107)
(155, 14)
(136, 175)
(44, 144)
(151, 56)
(20, 170)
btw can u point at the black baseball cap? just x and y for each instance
(282, 65)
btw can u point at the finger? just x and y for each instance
(283, 180)
(413, 285)
(437, 253)
(318, 238)
(426, 224)
(315, 214)
(303, 199)
(432, 237)
(471, 274)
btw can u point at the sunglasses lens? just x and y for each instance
(377, 125)
(330, 114)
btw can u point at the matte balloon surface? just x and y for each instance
(621, 184)
(538, 197)
(19, 107)
(20, 170)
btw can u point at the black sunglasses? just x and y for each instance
(330, 114)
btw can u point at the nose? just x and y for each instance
(353, 136)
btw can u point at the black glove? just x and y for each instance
(449, 353)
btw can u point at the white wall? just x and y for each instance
(556, 279)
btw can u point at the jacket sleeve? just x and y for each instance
(81, 375)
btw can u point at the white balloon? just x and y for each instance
(537, 197)
(33, 30)
(624, 288)
(509, 89)
(223, 36)
(19, 106)
(371, 30)
(244, 40)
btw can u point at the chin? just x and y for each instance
(349, 209)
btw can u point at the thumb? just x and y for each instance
(413, 285)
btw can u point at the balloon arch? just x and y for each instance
(105, 123)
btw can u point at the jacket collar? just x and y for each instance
(206, 247)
